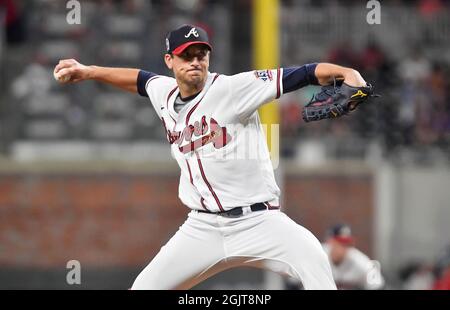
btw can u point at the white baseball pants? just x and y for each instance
(207, 244)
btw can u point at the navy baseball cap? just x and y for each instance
(342, 233)
(181, 38)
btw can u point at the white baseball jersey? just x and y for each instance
(219, 144)
(217, 139)
(356, 271)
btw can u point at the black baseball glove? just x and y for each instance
(336, 100)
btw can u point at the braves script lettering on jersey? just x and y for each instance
(211, 139)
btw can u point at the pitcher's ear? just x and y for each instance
(168, 58)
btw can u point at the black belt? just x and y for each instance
(238, 211)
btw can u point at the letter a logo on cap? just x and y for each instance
(193, 31)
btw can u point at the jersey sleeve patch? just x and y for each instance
(264, 75)
(252, 89)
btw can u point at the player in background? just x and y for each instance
(235, 217)
(351, 268)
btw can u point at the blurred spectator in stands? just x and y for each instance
(424, 131)
(372, 56)
(438, 84)
(413, 72)
(432, 108)
(344, 54)
(14, 21)
(36, 80)
(375, 65)
(415, 68)
(439, 97)
(428, 8)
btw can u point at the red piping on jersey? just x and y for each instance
(207, 183)
(195, 107)
(190, 173)
(192, 111)
(170, 95)
(202, 201)
(192, 182)
(215, 78)
(278, 83)
(167, 104)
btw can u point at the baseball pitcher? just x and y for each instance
(212, 124)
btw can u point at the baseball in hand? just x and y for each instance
(61, 79)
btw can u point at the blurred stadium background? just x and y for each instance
(86, 174)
